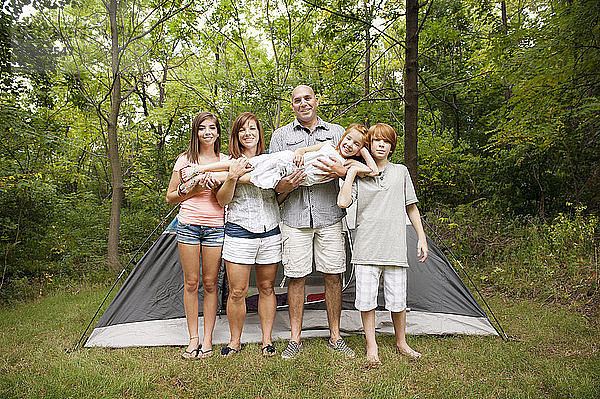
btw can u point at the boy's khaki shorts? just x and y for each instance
(299, 245)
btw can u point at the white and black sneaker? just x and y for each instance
(292, 350)
(341, 346)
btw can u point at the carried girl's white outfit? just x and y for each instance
(270, 168)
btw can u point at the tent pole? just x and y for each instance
(118, 278)
(439, 239)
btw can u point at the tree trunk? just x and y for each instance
(113, 144)
(367, 58)
(411, 94)
(507, 86)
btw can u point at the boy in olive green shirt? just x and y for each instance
(380, 243)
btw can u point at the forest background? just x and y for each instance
(497, 102)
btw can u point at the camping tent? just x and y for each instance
(148, 309)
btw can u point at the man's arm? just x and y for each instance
(288, 184)
(276, 144)
(331, 167)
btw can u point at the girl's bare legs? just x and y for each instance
(399, 320)
(238, 275)
(267, 303)
(211, 261)
(190, 263)
(368, 320)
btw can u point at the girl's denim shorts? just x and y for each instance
(200, 235)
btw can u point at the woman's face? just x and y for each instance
(249, 135)
(351, 144)
(207, 132)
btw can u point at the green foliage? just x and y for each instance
(509, 113)
(554, 261)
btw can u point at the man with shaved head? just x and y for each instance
(311, 220)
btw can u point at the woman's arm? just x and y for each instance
(344, 199)
(227, 189)
(415, 218)
(174, 196)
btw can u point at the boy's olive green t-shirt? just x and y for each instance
(381, 202)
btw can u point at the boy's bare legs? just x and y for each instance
(399, 320)
(333, 303)
(296, 306)
(368, 321)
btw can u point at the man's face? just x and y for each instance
(304, 104)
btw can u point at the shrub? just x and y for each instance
(525, 256)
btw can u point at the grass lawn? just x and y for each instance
(553, 353)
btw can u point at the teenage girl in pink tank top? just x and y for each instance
(199, 232)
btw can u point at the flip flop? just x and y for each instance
(203, 354)
(268, 350)
(193, 354)
(228, 351)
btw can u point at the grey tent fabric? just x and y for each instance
(148, 309)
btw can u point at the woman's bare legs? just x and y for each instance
(238, 276)
(211, 261)
(267, 303)
(399, 320)
(190, 263)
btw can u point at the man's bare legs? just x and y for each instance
(333, 303)
(399, 320)
(296, 306)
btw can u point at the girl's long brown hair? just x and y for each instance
(235, 147)
(193, 151)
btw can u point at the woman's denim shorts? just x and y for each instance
(200, 235)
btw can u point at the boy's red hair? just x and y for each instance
(385, 132)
